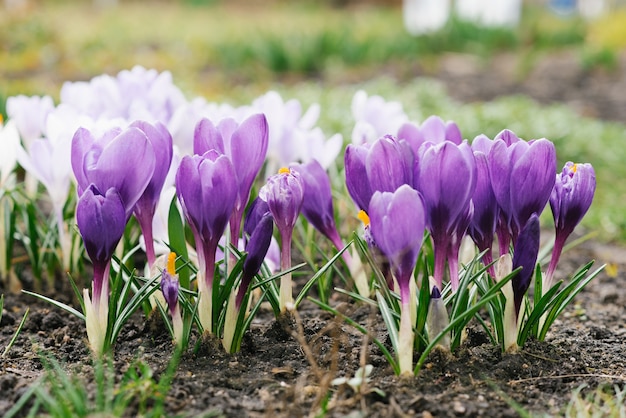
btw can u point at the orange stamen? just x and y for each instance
(171, 263)
(363, 217)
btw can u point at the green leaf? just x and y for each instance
(178, 244)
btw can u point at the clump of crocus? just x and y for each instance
(169, 288)
(446, 177)
(284, 194)
(206, 187)
(257, 248)
(570, 200)
(397, 224)
(522, 176)
(112, 173)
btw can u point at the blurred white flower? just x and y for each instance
(29, 114)
(9, 143)
(375, 117)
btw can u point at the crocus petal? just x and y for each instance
(161, 142)
(258, 208)
(447, 181)
(247, 149)
(189, 191)
(357, 181)
(532, 180)
(207, 137)
(101, 221)
(317, 205)
(483, 225)
(389, 164)
(219, 193)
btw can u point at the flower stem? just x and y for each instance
(286, 292)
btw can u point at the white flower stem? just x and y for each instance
(405, 340)
(286, 292)
(230, 322)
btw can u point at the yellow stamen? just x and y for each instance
(171, 263)
(284, 170)
(1, 119)
(363, 217)
(574, 168)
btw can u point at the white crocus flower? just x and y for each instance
(9, 143)
(375, 117)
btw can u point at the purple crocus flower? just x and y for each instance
(525, 255)
(169, 288)
(284, 194)
(257, 247)
(206, 187)
(317, 204)
(483, 224)
(144, 210)
(384, 166)
(570, 200)
(245, 145)
(397, 222)
(522, 176)
(389, 164)
(121, 159)
(433, 129)
(101, 220)
(447, 180)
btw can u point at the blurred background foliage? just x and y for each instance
(211, 46)
(322, 51)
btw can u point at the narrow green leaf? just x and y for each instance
(58, 304)
(178, 244)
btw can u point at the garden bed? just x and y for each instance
(274, 375)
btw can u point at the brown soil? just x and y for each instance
(279, 373)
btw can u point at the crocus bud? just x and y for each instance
(317, 204)
(438, 318)
(169, 283)
(169, 287)
(570, 200)
(284, 194)
(257, 249)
